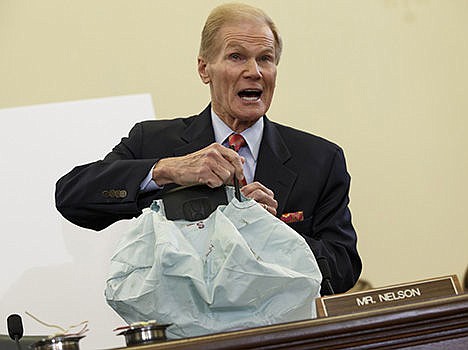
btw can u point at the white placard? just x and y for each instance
(50, 267)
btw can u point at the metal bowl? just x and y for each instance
(147, 333)
(58, 343)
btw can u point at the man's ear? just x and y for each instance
(202, 70)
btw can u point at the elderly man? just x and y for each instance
(296, 176)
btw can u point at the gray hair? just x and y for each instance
(229, 13)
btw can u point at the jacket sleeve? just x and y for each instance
(333, 234)
(329, 231)
(97, 194)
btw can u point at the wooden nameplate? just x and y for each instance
(379, 298)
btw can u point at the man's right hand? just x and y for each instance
(213, 165)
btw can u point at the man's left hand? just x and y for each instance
(262, 195)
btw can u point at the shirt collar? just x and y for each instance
(252, 135)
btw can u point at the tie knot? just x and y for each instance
(237, 141)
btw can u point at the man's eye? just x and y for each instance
(266, 58)
(235, 56)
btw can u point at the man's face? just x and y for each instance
(242, 73)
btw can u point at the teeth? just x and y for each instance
(253, 98)
(250, 95)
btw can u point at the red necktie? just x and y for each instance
(236, 141)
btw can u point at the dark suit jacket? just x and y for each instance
(306, 173)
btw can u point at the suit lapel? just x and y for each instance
(198, 134)
(271, 169)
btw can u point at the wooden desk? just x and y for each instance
(435, 324)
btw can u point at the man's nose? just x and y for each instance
(252, 70)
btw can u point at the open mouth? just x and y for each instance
(250, 94)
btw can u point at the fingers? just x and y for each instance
(220, 165)
(262, 195)
(235, 160)
(213, 165)
(271, 210)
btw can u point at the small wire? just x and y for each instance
(65, 331)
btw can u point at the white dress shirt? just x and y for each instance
(252, 136)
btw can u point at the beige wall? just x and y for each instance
(385, 79)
